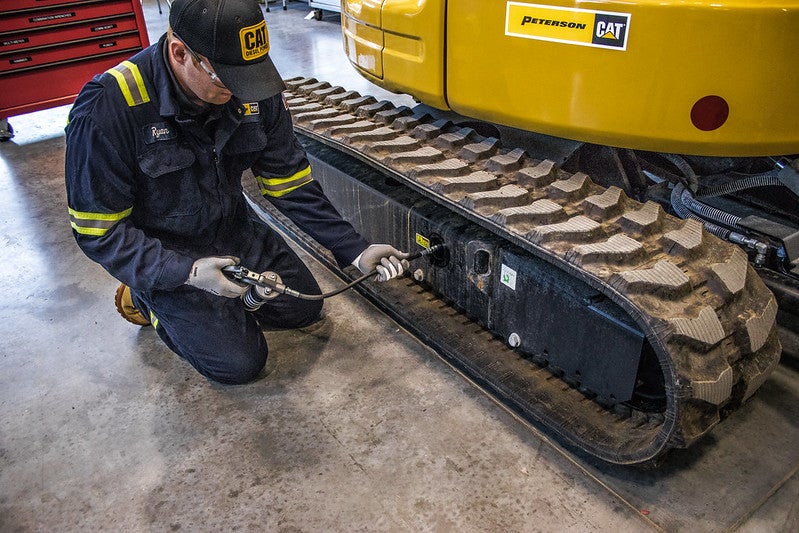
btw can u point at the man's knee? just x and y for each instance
(309, 314)
(233, 369)
(298, 314)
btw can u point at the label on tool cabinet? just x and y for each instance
(104, 27)
(11, 42)
(583, 27)
(51, 18)
(508, 277)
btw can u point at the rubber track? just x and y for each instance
(704, 310)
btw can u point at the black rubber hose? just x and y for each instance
(707, 212)
(679, 194)
(683, 166)
(291, 292)
(766, 179)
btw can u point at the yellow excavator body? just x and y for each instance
(713, 78)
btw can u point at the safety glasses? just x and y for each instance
(211, 74)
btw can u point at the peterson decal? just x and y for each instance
(601, 29)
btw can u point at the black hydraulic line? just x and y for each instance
(678, 197)
(709, 212)
(766, 179)
(683, 166)
(685, 203)
(685, 206)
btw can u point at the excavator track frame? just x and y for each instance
(706, 314)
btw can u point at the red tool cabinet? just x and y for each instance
(50, 48)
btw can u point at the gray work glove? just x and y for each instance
(387, 260)
(206, 274)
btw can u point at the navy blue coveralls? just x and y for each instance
(151, 188)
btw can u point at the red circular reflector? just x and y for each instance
(710, 112)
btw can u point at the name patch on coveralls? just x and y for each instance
(158, 131)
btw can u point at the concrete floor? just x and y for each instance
(356, 426)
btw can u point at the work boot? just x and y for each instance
(124, 304)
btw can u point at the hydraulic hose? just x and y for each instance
(766, 179)
(683, 166)
(677, 203)
(707, 212)
(680, 196)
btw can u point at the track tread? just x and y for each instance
(538, 176)
(489, 202)
(663, 278)
(576, 229)
(705, 329)
(481, 150)
(526, 217)
(618, 249)
(459, 186)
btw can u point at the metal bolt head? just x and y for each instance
(418, 274)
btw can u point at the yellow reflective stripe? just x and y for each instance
(130, 83)
(153, 320)
(277, 187)
(96, 224)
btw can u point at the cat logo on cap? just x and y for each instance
(254, 41)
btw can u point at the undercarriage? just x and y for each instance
(619, 328)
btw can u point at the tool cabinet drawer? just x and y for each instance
(28, 59)
(16, 21)
(31, 5)
(92, 29)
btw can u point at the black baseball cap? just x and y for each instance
(232, 34)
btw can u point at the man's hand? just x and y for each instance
(206, 274)
(387, 260)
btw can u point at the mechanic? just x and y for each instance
(155, 151)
